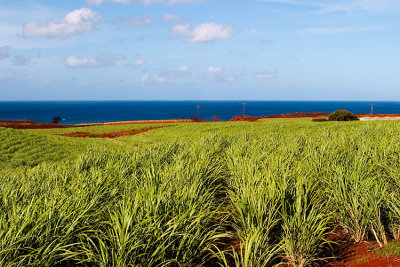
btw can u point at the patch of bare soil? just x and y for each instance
(244, 118)
(27, 124)
(147, 122)
(349, 254)
(363, 255)
(287, 116)
(111, 135)
(298, 115)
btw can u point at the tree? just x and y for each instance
(56, 119)
(342, 115)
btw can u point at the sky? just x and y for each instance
(200, 50)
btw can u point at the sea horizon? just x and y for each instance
(98, 111)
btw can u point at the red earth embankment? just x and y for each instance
(27, 124)
(244, 118)
(282, 116)
(106, 135)
(297, 115)
(146, 122)
(378, 115)
(313, 115)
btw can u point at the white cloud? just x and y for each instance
(161, 79)
(218, 74)
(178, 72)
(18, 60)
(73, 61)
(338, 30)
(267, 74)
(140, 61)
(170, 17)
(203, 33)
(76, 22)
(146, 2)
(174, 73)
(4, 52)
(100, 61)
(166, 76)
(214, 69)
(94, 2)
(136, 21)
(145, 78)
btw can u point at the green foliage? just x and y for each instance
(342, 115)
(320, 119)
(228, 194)
(21, 149)
(392, 249)
(144, 208)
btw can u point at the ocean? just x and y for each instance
(72, 112)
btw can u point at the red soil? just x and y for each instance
(106, 135)
(26, 124)
(363, 255)
(146, 122)
(378, 115)
(306, 115)
(350, 254)
(288, 115)
(298, 115)
(244, 118)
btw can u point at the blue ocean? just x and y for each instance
(73, 112)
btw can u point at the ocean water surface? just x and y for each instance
(105, 111)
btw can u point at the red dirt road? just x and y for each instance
(26, 124)
(111, 135)
(287, 116)
(310, 115)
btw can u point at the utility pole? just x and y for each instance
(198, 112)
(372, 109)
(244, 107)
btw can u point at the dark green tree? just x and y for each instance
(342, 115)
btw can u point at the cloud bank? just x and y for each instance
(135, 21)
(100, 61)
(140, 61)
(203, 33)
(267, 74)
(170, 17)
(76, 22)
(218, 74)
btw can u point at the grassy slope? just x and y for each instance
(101, 128)
(325, 167)
(29, 147)
(23, 148)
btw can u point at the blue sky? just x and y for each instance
(200, 50)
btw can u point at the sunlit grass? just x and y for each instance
(199, 194)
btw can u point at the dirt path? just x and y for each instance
(111, 135)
